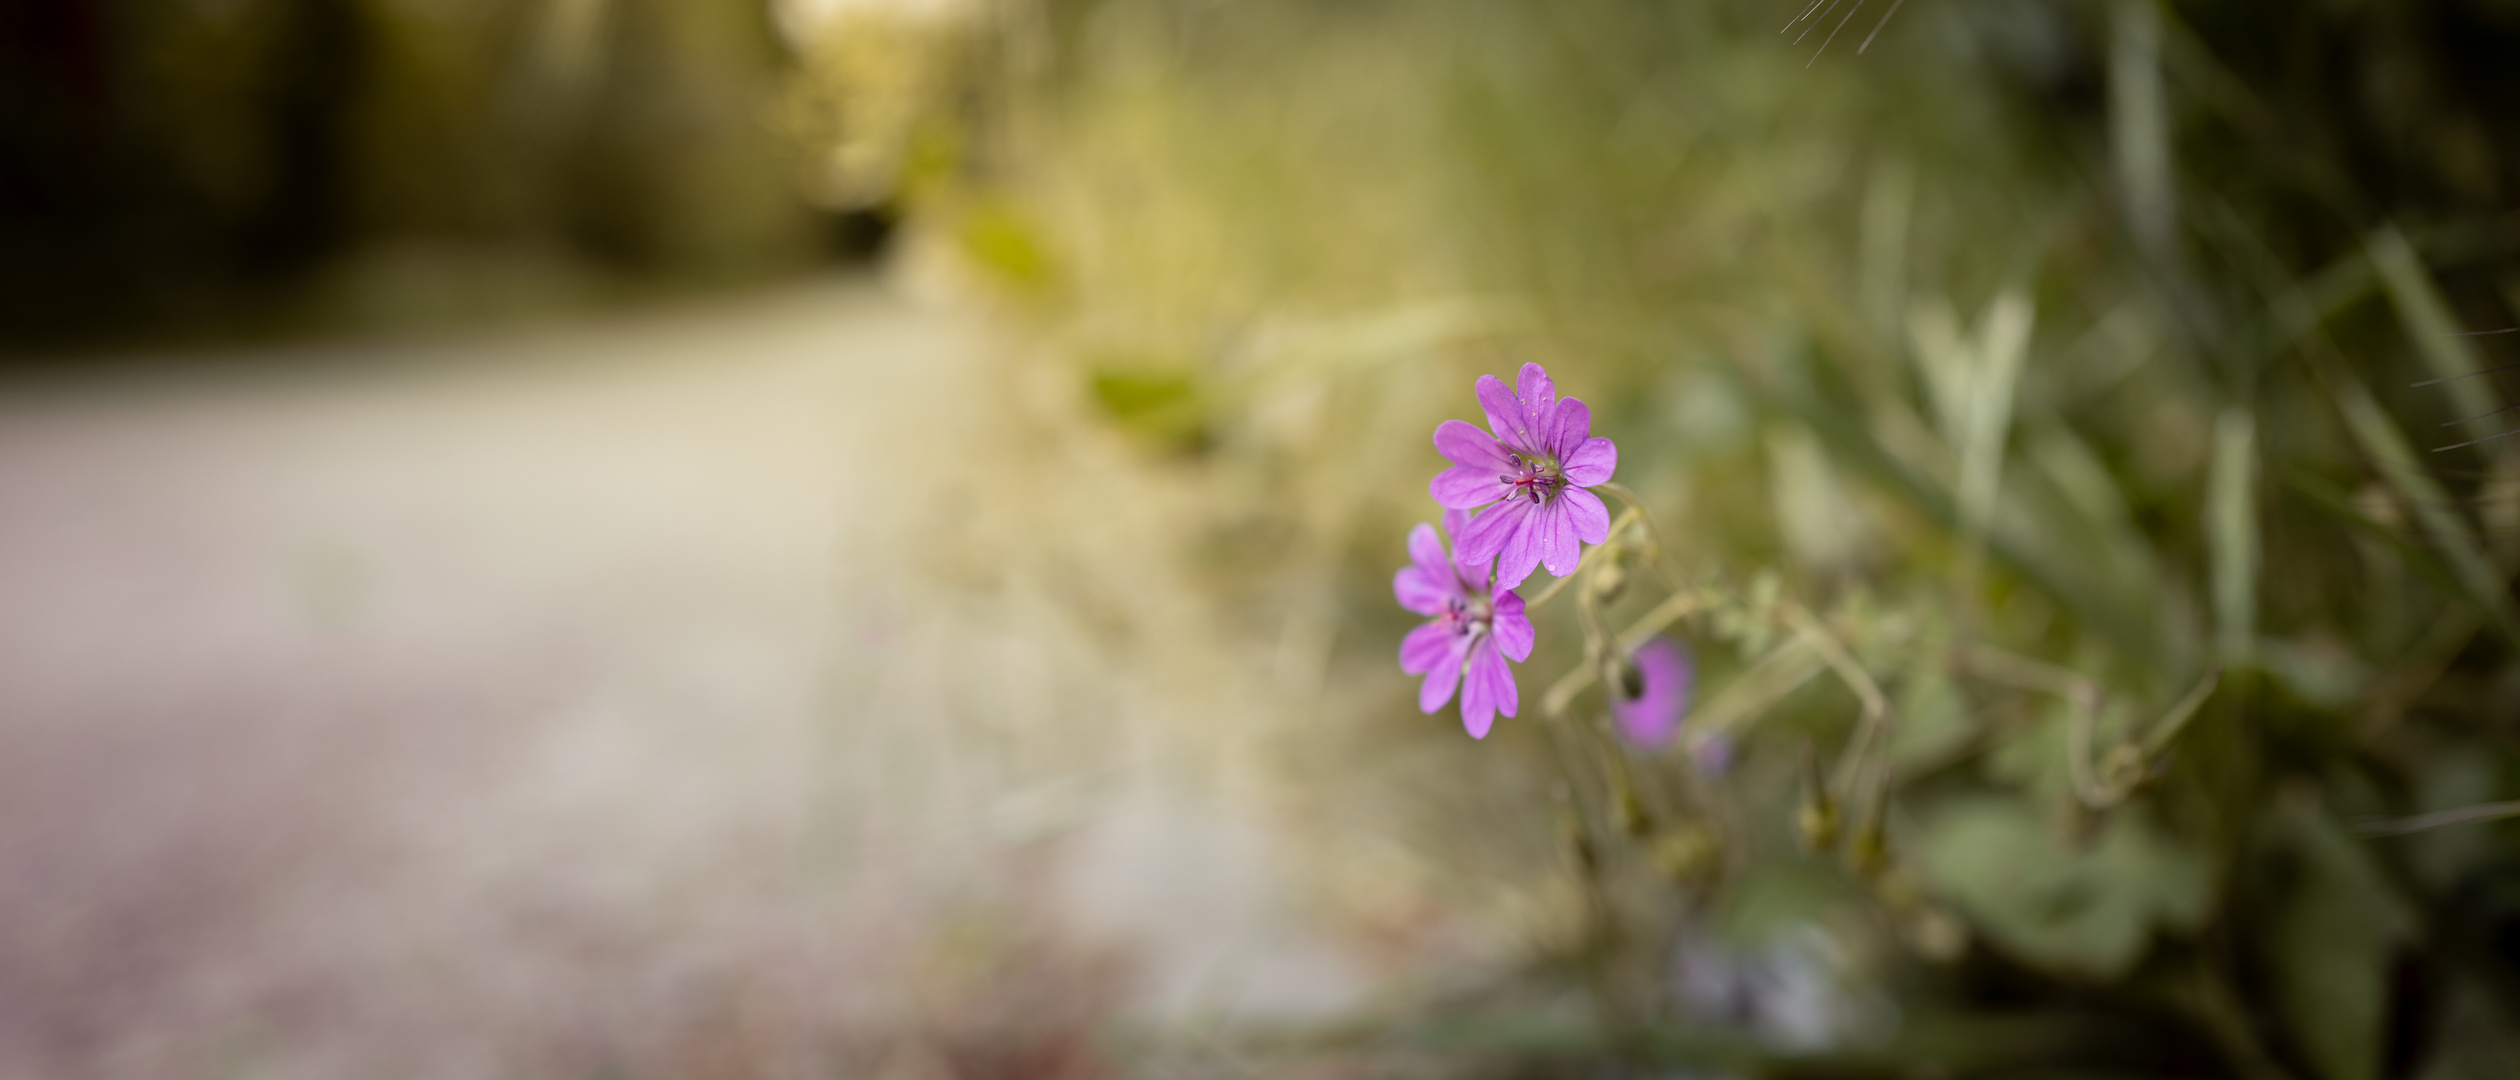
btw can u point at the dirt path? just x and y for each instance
(554, 703)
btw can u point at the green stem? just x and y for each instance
(1653, 534)
(1562, 693)
(1860, 786)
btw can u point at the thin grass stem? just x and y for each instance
(2440, 819)
(1876, 30)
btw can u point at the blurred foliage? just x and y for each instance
(252, 166)
(2022, 371)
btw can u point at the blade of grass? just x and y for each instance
(2337, 505)
(2435, 331)
(2395, 458)
(2231, 533)
(1847, 441)
(2139, 126)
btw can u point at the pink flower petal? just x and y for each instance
(1539, 402)
(1569, 428)
(1474, 574)
(1494, 678)
(1418, 593)
(1490, 531)
(1426, 647)
(1505, 415)
(1427, 551)
(1438, 687)
(1584, 511)
(1522, 549)
(1512, 627)
(1591, 463)
(1478, 701)
(1466, 487)
(1555, 529)
(1463, 444)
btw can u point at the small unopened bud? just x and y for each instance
(1578, 845)
(1632, 817)
(1609, 580)
(2122, 767)
(1816, 820)
(1868, 853)
(1631, 682)
(1685, 851)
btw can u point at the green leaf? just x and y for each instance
(2328, 943)
(1004, 242)
(2435, 331)
(1162, 406)
(2450, 533)
(1845, 436)
(2086, 909)
(1934, 721)
(2231, 533)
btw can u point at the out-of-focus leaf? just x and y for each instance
(1933, 721)
(2475, 1041)
(1971, 383)
(1164, 407)
(2032, 760)
(2087, 910)
(1847, 441)
(2437, 335)
(2387, 446)
(1772, 898)
(1823, 528)
(1889, 202)
(2455, 779)
(2336, 504)
(1007, 244)
(2231, 533)
(2140, 126)
(2107, 524)
(2328, 944)
(2319, 671)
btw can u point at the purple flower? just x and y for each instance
(1473, 629)
(1535, 469)
(1652, 718)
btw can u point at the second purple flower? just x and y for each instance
(1473, 629)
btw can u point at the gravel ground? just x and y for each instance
(560, 702)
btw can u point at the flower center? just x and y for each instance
(1470, 616)
(1535, 478)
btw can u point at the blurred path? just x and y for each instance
(543, 704)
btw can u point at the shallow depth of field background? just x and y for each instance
(852, 538)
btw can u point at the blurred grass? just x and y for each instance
(263, 168)
(2053, 356)
(2085, 332)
